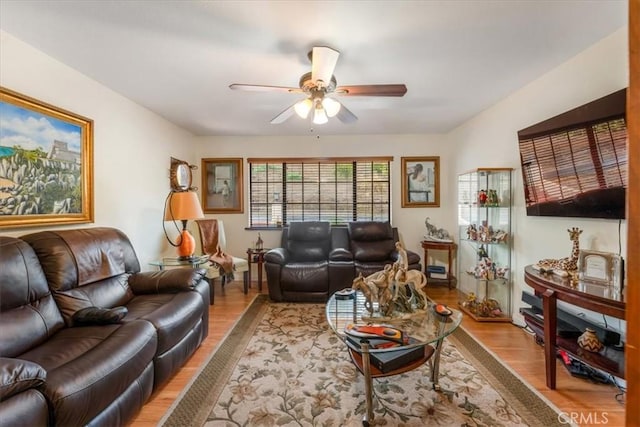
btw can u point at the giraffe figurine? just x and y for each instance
(564, 266)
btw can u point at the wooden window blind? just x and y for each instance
(569, 162)
(337, 190)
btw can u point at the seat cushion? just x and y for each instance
(28, 312)
(240, 264)
(371, 241)
(88, 367)
(173, 315)
(305, 277)
(86, 267)
(308, 241)
(26, 409)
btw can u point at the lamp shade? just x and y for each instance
(183, 205)
(319, 115)
(331, 106)
(303, 107)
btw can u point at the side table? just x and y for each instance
(195, 262)
(451, 248)
(256, 256)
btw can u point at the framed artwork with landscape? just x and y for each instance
(46, 163)
(222, 185)
(420, 182)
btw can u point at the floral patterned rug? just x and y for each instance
(294, 370)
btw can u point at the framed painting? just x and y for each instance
(222, 186)
(46, 163)
(420, 182)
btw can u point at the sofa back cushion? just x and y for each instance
(308, 241)
(28, 312)
(86, 267)
(371, 240)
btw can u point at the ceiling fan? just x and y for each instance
(320, 87)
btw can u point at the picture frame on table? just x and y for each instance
(222, 185)
(604, 268)
(46, 163)
(420, 182)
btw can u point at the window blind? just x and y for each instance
(569, 162)
(337, 190)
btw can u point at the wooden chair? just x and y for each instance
(213, 243)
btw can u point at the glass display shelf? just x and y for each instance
(484, 252)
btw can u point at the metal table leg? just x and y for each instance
(435, 365)
(368, 383)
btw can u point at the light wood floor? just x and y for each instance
(590, 404)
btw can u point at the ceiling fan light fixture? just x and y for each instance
(303, 108)
(319, 115)
(331, 106)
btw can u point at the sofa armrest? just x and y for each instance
(413, 258)
(278, 256)
(18, 375)
(340, 254)
(166, 281)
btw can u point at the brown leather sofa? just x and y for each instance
(315, 259)
(57, 371)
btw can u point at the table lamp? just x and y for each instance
(183, 206)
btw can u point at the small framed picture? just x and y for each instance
(222, 186)
(420, 182)
(600, 267)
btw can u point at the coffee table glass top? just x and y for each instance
(425, 326)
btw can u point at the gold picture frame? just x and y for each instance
(222, 185)
(420, 182)
(47, 178)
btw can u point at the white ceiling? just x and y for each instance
(178, 58)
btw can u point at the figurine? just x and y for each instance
(259, 243)
(482, 197)
(482, 252)
(492, 198)
(359, 284)
(435, 233)
(564, 266)
(472, 233)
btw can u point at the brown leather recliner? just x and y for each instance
(299, 270)
(373, 245)
(98, 374)
(315, 259)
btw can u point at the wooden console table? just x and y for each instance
(552, 289)
(451, 248)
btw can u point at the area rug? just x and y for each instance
(282, 364)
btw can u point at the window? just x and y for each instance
(337, 190)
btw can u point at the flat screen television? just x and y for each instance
(575, 164)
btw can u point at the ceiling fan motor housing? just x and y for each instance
(308, 85)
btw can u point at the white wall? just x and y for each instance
(132, 146)
(490, 140)
(410, 221)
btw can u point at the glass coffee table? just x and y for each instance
(194, 262)
(426, 328)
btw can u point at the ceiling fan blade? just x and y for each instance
(264, 88)
(372, 90)
(284, 116)
(323, 62)
(345, 115)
